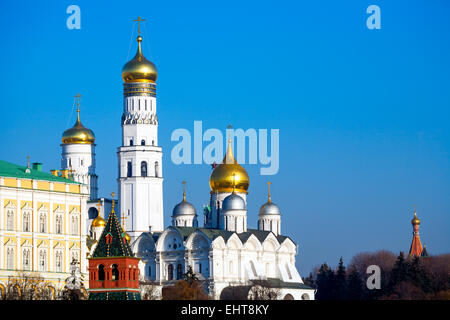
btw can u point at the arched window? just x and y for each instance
(43, 260)
(26, 259)
(42, 222)
(10, 258)
(131, 142)
(101, 272)
(114, 273)
(153, 142)
(26, 222)
(10, 220)
(129, 169)
(74, 228)
(58, 224)
(149, 271)
(179, 271)
(58, 261)
(143, 168)
(156, 169)
(142, 142)
(170, 272)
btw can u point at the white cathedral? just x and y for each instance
(225, 253)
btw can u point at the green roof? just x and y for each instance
(117, 246)
(8, 169)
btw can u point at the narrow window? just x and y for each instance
(143, 169)
(101, 272)
(156, 169)
(170, 272)
(129, 169)
(179, 271)
(114, 273)
(142, 142)
(131, 142)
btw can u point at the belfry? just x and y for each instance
(113, 268)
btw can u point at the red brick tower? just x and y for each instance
(416, 246)
(113, 269)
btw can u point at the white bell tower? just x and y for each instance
(140, 157)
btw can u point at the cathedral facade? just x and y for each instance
(225, 253)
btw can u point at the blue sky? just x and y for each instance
(363, 114)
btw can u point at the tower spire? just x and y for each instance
(78, 96)
(416, 245)
(184, 190)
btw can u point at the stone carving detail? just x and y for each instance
(140, 118)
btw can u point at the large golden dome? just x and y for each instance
(139, 69)
(78, 133)
(228, 174)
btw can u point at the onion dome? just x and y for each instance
(233, 202)
(78, 133)
(229, 174)
(139, 69)
(127, 237)
(269, 208)
(415, 220)
(184, 208)
(98, 222)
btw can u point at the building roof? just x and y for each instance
(8, 169)
(214, 233)
(278, 283)
(112, 242)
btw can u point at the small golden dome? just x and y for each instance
(98, 222)
(415, 220)
(228, 174)
(139, 69)
(127, 236)
(78, 133)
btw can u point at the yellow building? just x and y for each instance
(42, 225)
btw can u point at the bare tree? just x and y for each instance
(149, 289)
(29, 287)
(262, 290)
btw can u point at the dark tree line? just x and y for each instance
(402, 278)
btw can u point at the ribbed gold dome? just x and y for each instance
(78, 133)
(98, 222)
(139, 69)
(229, 173)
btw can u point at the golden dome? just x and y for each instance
(139, 69)
(228, 174)
(415, 220)
(127, 237)
(98, 222)
(78, 133)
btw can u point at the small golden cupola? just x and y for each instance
(78, 133)
(139, 69)
(229, 175)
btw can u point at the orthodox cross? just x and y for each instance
(234, 182)
(99, 205)
(139, 19)
(112, 196)
(123, 218)
(28, 162)
(269, 183)
(78, 96)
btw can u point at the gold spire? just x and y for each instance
(229, 175)
(113, 203)
(28, 162)
(78, 133)
(139, 69)
(184, 190)
(270, 198)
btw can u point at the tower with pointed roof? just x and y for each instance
(78, 154)
(226, 178)
(140, 157)
(416, 248)
(113, 268)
